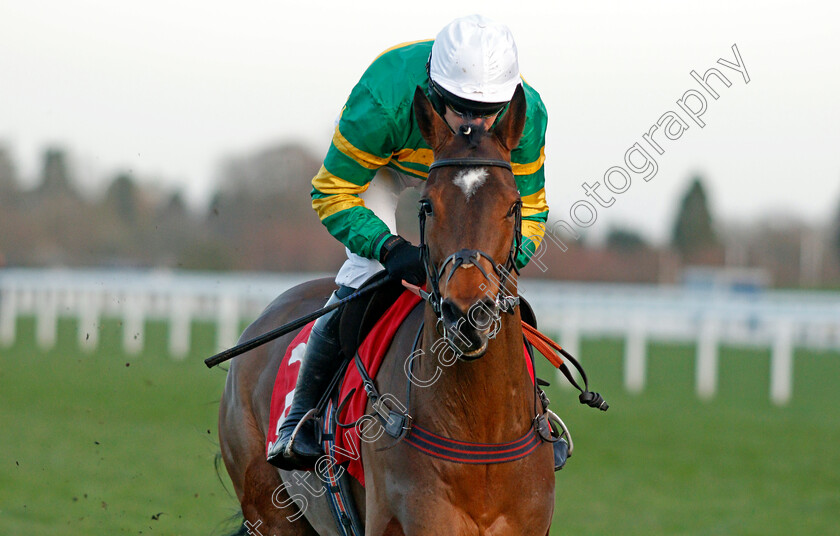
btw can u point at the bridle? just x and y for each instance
(466, 257)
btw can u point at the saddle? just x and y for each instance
(359, 316)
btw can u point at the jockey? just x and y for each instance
(469, 73)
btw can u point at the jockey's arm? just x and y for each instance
(361, 144)
(528, 168)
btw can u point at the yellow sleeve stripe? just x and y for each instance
(328, 206)
(410, 171)
(534, 231)
(415, 156)
(395, 47)
(528, 169)
(534, 203)
(364, 159)
(327, 183)
(341, 194)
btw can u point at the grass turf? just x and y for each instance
(665, 462)
(105, 443)
(102, 443)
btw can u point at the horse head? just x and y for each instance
(470, 218)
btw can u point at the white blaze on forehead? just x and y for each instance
(469, 180)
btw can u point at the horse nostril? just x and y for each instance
(481, 314)
(465, 332)
(451, 312)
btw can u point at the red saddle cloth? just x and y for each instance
(284, 384)
(372, 351)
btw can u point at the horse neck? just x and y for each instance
(486, 400)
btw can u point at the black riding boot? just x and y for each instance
(320, 361)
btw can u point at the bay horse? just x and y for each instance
(470, 218)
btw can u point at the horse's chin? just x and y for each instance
(472, 355)
(467, 340)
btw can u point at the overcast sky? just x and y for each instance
(169, 88)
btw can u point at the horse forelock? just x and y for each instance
(472, 134)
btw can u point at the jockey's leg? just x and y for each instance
(320, 361)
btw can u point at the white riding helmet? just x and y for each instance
(475, 59)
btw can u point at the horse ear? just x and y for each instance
(432, 127)
(509, 129)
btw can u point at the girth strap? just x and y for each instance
(339, 496)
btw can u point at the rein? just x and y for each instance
(547, 348)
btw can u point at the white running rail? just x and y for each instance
(779, 320)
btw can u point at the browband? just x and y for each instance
(470, 162)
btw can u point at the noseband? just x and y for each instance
(467, 257)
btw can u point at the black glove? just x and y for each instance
(402, 261)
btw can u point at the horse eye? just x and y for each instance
(426, 206)
(512, 211)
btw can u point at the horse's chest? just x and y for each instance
(496, 500)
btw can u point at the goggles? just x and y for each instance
(464, 107)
